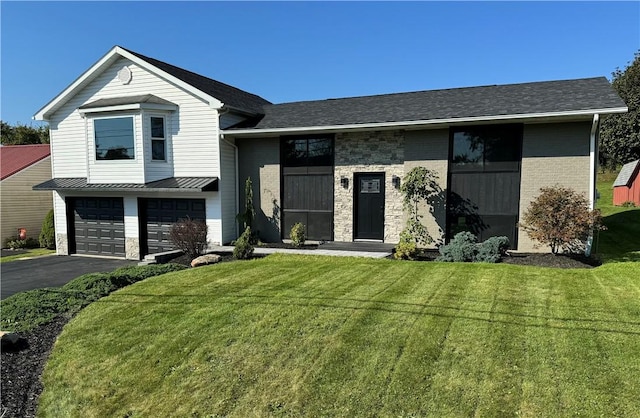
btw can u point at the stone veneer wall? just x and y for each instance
(368, 152)
(552, 154)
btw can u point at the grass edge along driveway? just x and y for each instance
(320, 336)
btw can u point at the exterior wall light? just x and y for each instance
(395, 180)
(344, 182)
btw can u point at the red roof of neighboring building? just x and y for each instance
(14, 158)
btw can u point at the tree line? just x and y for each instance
(23, 134)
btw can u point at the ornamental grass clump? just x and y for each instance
(561, 218)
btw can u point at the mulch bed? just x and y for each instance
(22, 368)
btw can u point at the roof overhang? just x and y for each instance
(172, 184)
(428, 123)
(146, 102)
(100, 66)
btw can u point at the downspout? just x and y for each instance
(235, 163)
(593, 167)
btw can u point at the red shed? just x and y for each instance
(626, 188)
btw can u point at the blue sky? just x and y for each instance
(294, 51)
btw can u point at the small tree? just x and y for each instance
(298, 235)
(560, 218)
(418, 186)
(245, 219)
(189, 236)
(47, 236)
(243, 249)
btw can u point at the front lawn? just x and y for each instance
(28, 253)
(621, 240)
(320, 336)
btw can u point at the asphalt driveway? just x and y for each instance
(51, 271)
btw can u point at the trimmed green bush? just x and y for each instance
(492, 250)
(26, 310)
(465, 248)
(47, 236)
(243, 249)
(298, 235)
(407, 248)
(15, 243)
(462, 248)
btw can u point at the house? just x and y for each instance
(626, 188)
(22, 167)
(138, 143)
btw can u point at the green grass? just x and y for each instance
(621, 240)
(319, 336)
(35, 252)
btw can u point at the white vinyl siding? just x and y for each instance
(130, 204)
(228, 193)
(193, 127)
(60, 221)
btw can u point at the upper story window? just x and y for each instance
(158, 139)
(307, 152)
(486, 148)
(114, 138)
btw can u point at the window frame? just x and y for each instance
(484, 166)
(133, 137)
(162, 139)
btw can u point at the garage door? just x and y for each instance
(157, 216)
(98, 224)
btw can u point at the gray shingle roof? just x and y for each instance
(626, 174)
(227, 94)
(172, 184)
(496, 100)
(117, 101)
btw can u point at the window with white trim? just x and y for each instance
(158, 138)
(114, 138)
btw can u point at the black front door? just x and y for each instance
(369, 206)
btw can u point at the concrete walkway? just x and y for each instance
(319, 251)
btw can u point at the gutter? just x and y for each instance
(593, 167)
(221, 112)
(418, 123)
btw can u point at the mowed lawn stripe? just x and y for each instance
(319, 336)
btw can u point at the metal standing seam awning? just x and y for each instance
(172, 184)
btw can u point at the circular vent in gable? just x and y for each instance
(124, 75)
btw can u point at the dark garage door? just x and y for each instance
(98, 225)
(157, 216)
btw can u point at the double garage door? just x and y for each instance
(98, 223)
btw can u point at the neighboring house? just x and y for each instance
(626, 188)
(138, 143)
(22, 167)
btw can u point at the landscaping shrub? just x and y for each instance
(628, 204)
(463, 247)
(243, 249)
(298, 235)
(406, 248)
(26, 310)
(190, 236)
(47, 238)
(15, 243)
(560, 218)
(492, 250)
